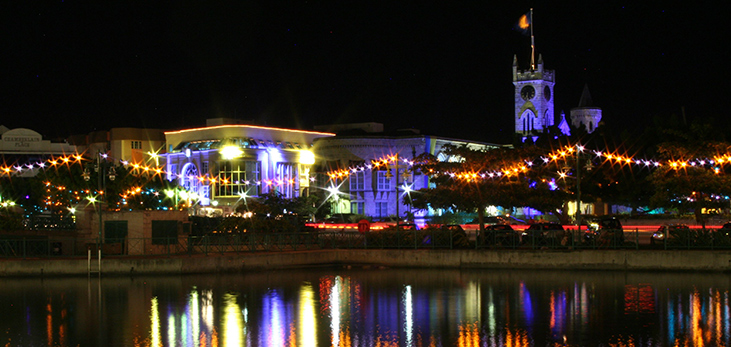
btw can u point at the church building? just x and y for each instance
(586, 113)
(534, 111)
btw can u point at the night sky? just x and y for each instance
(443, 67)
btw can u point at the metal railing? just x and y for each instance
(57, 247)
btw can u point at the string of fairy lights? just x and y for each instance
(553, 157)
(384, 162)
(73, 197)
(136, 168)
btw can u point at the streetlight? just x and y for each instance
(406, 175)
(579, 152)
(103, 169)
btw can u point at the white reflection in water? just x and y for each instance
(491, 323)
(473, 300)
(408, 316)
(307, 317)
(335, 312)
(194, 314)
(207, 310)
(171, 329)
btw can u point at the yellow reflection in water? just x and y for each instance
(469, 335)
(155, 324)
(699, 335)
(517, 338)
(717, 315)
(473, 300)
(307, 317)
(233, 323)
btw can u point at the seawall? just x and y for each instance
(628, 260)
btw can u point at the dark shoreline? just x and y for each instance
(624, 260)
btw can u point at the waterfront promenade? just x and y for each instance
(619, 259)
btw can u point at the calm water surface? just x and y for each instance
(371, 307)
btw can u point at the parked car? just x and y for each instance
(343, 218)
(669, 233)
(544, 233)
(723, 236)
(500, 234)
(604, 230)
(491, 220)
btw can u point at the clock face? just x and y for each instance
(527, 93)
(547, 93)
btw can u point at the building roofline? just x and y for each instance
(248, 126)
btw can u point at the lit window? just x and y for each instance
(384, 183)
(382, 209)
(357, 181)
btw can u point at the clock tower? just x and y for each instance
(533, 98)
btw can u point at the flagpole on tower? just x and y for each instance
(532, 44)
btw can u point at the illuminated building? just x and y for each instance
(369, 190)
(24, 148)
(227, 160)
(586, 113)
(133, 145)
(533, 98)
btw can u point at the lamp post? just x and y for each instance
(103, 169)
(579, 152)
(396, 173)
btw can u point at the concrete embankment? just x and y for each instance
(632, 260)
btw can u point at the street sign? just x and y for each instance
(364, 226)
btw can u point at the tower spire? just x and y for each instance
(532, 44)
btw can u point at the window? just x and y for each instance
(240, 177)
(136, 144)
(357, 180)
(382, 209)
(384, 183)
(204, 167)
(174, 170)
(356, 207)
(286, 181)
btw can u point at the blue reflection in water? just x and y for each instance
(273, 320)
(526, 305)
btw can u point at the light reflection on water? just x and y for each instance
(371, 308)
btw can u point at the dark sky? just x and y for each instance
(440, 66)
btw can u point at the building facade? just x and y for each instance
(22, 150)
(586, 114)
(534, 96)
(221, 164)
(382, 191)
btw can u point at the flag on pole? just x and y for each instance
(524, 23)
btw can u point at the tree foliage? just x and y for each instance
(461, 183)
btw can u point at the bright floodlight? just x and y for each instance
(307, 157)
(231, 152)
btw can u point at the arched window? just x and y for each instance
(527, 119)
(189, 178)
